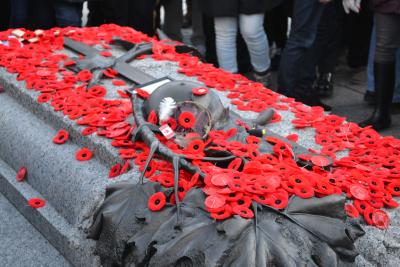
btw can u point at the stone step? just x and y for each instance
(21, 244)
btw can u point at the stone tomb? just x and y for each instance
(73, 190)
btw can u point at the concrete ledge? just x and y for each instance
(72, 244)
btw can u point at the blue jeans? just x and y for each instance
(252, 30)
(370, 69)
(305, 20)
(68, 14)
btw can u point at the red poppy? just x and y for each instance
(84, 154)
(223, 214)
(114, 171)
(243, 212)
(36, 203)
(214, 202)
(199, 91)
(279, 200)
(235, 164)
(89, 131)
(21, 174)
(98, 91)
(187, 119)
(320, 161)
(125, 168)
(157, 201)
(351, 211)
(118, 83)
(106, 53)
(152, 118)
(142, 93)
(195, 147)
(394, 188)
(359, 192)
(43, 98)
(61, 137)
(380, 219)
(84, 76)
(303, 191)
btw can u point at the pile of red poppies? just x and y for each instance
(369, 175)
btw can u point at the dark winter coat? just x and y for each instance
(232, 8)
(386, 6)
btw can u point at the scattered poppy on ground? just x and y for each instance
(115, 171)
(21, 174)
(118, 83)
(61, 137)
(36, 203)
(84, 154)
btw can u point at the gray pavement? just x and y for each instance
(21, 245)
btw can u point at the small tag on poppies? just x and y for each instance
(167, 131)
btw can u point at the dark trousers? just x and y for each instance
(276, 23)
(5, 15)
(305, 20)
(324, 52)
(67, 14)
(387, 37)
(137, 14)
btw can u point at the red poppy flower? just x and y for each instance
(21, 174)
(157, 201)
(187, 119)
(195, 147)
(243, 212)
(106, 53)
(320, 161)
(368, 215)
(84, 76)
(152, 118)
(351, 211)
(89, 131)
(118, 83)
(223, 214)
(214, 203)
(142, 93)
(303, 191)
(200, 91)
(61, 137)
(171, 123)
(36, 203)
(98, 91)
(359, 192)
(380, 219)
(279, 200)
(394, 188)
(43, 98)
(84, 154)
(115, 171)
(235, 164)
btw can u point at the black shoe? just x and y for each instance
(324, 85)
(370, 97)
(275, 62)
(377, 121)
(384, 74)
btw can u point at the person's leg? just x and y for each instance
(197, 24)
(19, 14)
(252, 30)
(396, 97)
(68, 14)
(370, 66)
(95, 16)
(225, 39)
(173, 19)
(305, 19)
(141, 15)
(5, 12)
(387, 42)
(41, 14)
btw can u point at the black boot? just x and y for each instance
(384, 86)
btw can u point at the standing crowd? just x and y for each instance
(300, 39)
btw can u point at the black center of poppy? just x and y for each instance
(278, 201)
(243, 211)
(397, 189)
(373, 192)
(37, 203)
(236, 177)
(181, 189)
(196, 147)
(298, 181)
(374, 183)
(148, 168)
(241, 202)
(237, 186)
(232, 194)
(262, 197)
(362, 207)
(187, 120)
(332, 180)
(264, 187)
(282, 147)
(221, 212)
(157, 201)
(84, 155)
